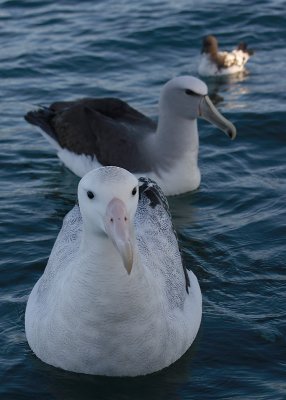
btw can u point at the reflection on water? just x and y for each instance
(230, 89)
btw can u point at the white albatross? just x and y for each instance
(89, 133)
(115, 298)
(220, 63)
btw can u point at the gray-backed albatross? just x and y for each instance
(89, 133)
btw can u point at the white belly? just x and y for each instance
(83, 342)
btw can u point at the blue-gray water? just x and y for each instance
(232, 229)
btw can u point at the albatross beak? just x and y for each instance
(117, 227)
(209, 112)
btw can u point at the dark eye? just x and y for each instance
(190, 92)
(90, 195)
(134, 191)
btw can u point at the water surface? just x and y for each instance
(232, 229)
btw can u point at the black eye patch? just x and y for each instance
(191, 92)
(90, 195)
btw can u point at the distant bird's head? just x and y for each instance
(209, 45)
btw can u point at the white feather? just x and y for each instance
(86, 314)
(234, 63)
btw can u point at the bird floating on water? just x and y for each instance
(115, 298)
(219, 63)
(89, 133)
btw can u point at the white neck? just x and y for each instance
(176, 137)
(102, 281)
(174, 154)
(176, 134)
(101, 256)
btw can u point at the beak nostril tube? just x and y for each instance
(118, 229)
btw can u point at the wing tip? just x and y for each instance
(244, 47)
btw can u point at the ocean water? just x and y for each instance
(232, 229)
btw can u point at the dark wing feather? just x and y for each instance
(107, 128)
(150, 189)
(243, 47)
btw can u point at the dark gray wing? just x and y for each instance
(150, 190)
(107, 128)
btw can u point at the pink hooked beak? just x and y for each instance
(118, 229)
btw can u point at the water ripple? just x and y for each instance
(232, 230)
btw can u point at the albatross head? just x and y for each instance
(210, 45)
(186, 97)
(108, 199)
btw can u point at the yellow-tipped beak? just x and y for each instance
(209, 112)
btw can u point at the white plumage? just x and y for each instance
(220, 63)
(89, 314)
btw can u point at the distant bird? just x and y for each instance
(115, 298)
(217, 63)
(90, 133)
